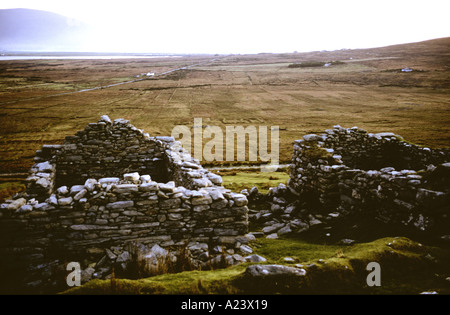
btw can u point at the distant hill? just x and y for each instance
(430, 55)
(35, 30)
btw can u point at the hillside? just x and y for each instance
(34, 30)
(432, 54)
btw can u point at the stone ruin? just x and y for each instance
(349, 175)
(112, 193)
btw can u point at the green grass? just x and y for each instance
(407, 267)
(301, 251)
(188, 282)
(240, 180)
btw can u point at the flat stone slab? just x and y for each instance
(312, 137)
(254, 258)
(90, 227)
(109, 180)
(273, 270)
(120, 204)
(125, 188)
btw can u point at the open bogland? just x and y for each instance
(41, 103)
(366, 89)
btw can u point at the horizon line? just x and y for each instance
(18, 52)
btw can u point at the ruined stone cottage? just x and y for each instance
(347, 182)
(349, 170)
(112, 190)
(112, 185)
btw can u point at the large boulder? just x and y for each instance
(150, 261)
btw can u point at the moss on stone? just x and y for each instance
(313, 153)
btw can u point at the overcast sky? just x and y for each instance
(247, 26)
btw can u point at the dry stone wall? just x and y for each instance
(111, 149)
(379, 174)
(109, 186)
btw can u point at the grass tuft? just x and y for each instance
(239, 180)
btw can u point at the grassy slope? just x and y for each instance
(407, 267)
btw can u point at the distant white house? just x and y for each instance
(327, 65)
(407, 69)
(150, 74)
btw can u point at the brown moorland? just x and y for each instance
(42, 101)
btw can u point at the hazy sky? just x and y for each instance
(247, 26)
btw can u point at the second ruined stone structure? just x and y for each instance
(381, 175)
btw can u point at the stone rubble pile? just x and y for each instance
(281, 213)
